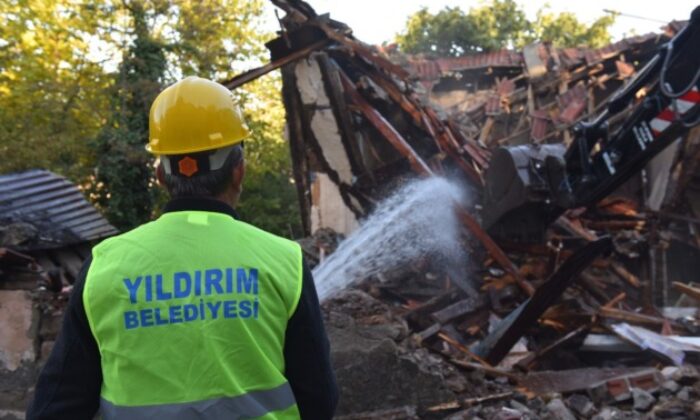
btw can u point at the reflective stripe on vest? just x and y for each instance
(250, 405)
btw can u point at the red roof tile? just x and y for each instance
(503, 58)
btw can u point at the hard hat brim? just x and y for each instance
(151, 150)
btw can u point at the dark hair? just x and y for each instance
(205, 184)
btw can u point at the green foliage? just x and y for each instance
(565, 30)
(447, 33)
(122, 169)
(77, 79)
(502, 23)
(51, 90)
(269, 199)
(495, 25)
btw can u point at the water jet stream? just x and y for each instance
(418, 219)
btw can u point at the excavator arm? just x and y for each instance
(528, 187)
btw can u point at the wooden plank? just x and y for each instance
(297, 145)
(572, 380)
(571, 227)
(468, 402)
(385, 128)
(429, 332)
(693, 292)
(334, 89)
(459, 346)
(486, 130)
(457, 309)
(420, 167)
(496, 345)
(530, 361)
(431, 305)
(494, 250)
(621, 271)
(490, 371)
(633, 317)
(614, 301)
(363, 51)
(253, 74)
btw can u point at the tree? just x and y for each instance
(500, 24)
(447, 33)
(565, 30)
(496, 25)
(122, 170)
(77, 79)
(51, 88)
(269, 197)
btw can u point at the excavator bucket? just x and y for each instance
(518, 201)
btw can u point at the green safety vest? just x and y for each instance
(189, 313)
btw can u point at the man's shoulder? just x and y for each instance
(268, 237)
(132, 235)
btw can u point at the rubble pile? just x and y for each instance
(597, 318)
(579, 323)
(420, 334)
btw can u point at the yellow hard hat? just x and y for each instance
(194, 115)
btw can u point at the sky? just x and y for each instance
(375, 21)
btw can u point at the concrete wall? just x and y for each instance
(29, 323)
(328, 210)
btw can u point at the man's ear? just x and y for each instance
(239, 174)
(160, 174)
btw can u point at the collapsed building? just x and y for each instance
(584, 316)
(598, 318)
(47, 229)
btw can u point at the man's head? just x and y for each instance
(197, 131)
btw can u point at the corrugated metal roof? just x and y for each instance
(54, 206)
(600, 54)
(432, 69)
(503, 58)
(572, 103)
(426, 69)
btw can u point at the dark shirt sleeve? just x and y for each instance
(69, 384)
(307, 357)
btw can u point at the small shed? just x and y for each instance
(47, 229)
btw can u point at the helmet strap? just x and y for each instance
(191, 164)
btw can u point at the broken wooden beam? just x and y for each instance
(568, 225)
(384, 127)
(462, 348)
(614, 301)
(292, 103)
(496, 345)
(566, 381)
(688, 290)
(468, 402)
(362, 51)
(488, 370)
(420, 167)
(457, 309)
(253, 74)
(621, 271)
(494, 250)
(633, 317)
(530, 361)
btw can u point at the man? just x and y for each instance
(195, 315)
